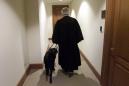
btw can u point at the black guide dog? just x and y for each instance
(49, 61)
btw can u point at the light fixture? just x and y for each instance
(60, 0)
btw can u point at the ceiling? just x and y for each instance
(59, 2)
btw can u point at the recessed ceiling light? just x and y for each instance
(60, 0)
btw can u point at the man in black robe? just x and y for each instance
(67, 34)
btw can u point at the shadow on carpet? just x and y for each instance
(62, 80)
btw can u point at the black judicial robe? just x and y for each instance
(67, 34)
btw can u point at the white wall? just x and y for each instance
(33, 31)
(45, 16)
(12, 42)
(88, 13)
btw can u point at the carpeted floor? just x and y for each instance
(83, 77)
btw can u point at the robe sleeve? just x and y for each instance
(55, 36)
(79, 36)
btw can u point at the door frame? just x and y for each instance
(56, 6)
(107, 41)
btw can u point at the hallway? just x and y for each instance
(83, 77)
(26, 26)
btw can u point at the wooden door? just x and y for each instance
(56, 11)
(118, 55)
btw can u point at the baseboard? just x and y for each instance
(21, 82)
(35, 66)
(30, 67)
(91, 66)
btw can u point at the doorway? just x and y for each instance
(56, 13)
